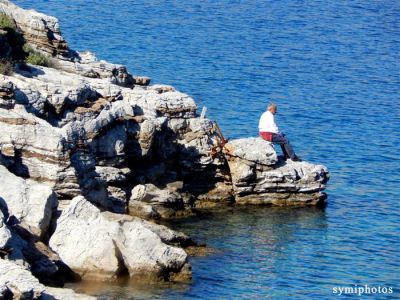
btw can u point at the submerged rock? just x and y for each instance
(52, 293)
(16, 282)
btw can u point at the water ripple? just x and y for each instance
(333, 67)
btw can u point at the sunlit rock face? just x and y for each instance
(259, 177)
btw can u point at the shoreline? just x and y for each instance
(91, 144)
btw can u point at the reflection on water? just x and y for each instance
(262, 247)
(252, 246)
(279, 252)
(124, 289)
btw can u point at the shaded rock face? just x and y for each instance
(5, 48)
(62, 138)
(5, 233)
(102, 245)
(258, 176)
(6, 94)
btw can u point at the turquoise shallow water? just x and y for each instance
(334, 70)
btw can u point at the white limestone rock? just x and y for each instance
(146, 135)
(143, 210)
(107, 116)
(170, 104)
(29, 202)
(253, 150)
(37, 28)
(163, 202)
(112, 175)
(151, 194)
(34, 146)
(258, 177)
(19, 281)
(100, 245)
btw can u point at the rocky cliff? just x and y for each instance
(87, 150)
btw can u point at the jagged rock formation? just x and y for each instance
(150, 137)
(86, 148)
(38, 29)
(259, 177)
(102, 245)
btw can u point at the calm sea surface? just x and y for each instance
(333, 67)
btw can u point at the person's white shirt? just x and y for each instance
(267, 123)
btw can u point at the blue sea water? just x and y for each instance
(333, 67)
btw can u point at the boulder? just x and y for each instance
(253, 150)
(27, 202)
(163, 202)
(18, 280)
(170, 103)
(101, 245)
(142, 80)
(258, 177)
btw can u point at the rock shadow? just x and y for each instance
(28, 71)
(15, 163)
(44, 263)
(169, 161)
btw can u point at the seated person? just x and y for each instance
(269, 131)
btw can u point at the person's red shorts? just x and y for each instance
(266, 136)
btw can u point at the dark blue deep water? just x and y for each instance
(333, 67)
